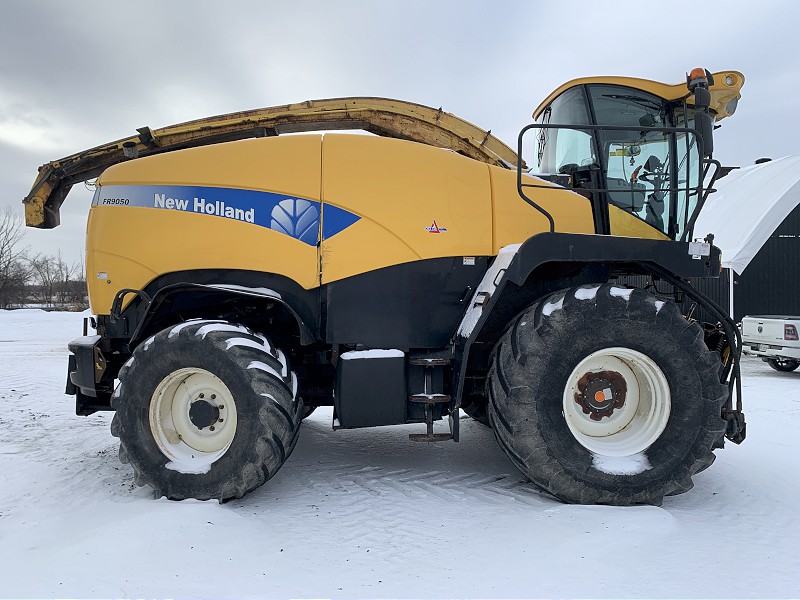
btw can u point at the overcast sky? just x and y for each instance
(76, 74)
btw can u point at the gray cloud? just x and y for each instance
(76, 74)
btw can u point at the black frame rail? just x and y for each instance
(731, 372)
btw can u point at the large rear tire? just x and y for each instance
(475, 406)
(605, 395)
(784, 365)
(206, 409)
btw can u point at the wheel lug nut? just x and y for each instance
(200, 396)
(220, 420)
(221, 407)
(213, 396)
(211, 428)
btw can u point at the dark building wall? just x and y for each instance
(770, 285)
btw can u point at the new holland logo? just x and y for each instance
(434, 228)
(297, 218)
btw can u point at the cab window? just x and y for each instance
(559, 149)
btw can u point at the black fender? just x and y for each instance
(683, 259)
(96, 360)
(549, 261)
(154, 307)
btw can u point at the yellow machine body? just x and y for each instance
(241, 278)
(411, 202)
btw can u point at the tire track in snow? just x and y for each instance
(340, 480)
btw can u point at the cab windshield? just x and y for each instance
(636, 154)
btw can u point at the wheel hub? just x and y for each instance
(600, 394)
(616, 402)
(193, 419)
(203, 414)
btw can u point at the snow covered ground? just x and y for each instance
(367, 513)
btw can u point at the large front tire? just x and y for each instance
(206, 409)
(605, 395)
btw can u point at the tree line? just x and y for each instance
(33, 279)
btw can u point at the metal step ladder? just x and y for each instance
(428, 398)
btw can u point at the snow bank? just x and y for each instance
(360, 513)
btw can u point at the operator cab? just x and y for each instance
(640, 146)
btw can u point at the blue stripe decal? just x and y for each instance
(298, 218)
(336, 220)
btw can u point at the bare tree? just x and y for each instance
(75, 287)
(56, 283)
(47, 272)
(13, 266)
(46, 280)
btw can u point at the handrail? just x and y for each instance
(672, 131)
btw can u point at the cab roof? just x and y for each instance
(727, 86)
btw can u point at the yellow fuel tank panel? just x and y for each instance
(515, 220)
(414, 202)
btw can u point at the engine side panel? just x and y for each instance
(412, 305)
(137, 235)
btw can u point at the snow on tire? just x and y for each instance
(605, 395)
(206, 409)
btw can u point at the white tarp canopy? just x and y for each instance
(748, 206)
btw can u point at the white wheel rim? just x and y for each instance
(601, 425)
(193, 436)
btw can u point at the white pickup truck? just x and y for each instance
(773, 338)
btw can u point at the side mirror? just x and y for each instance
(698, 82)
(705, 126)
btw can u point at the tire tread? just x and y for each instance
(278, 420)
